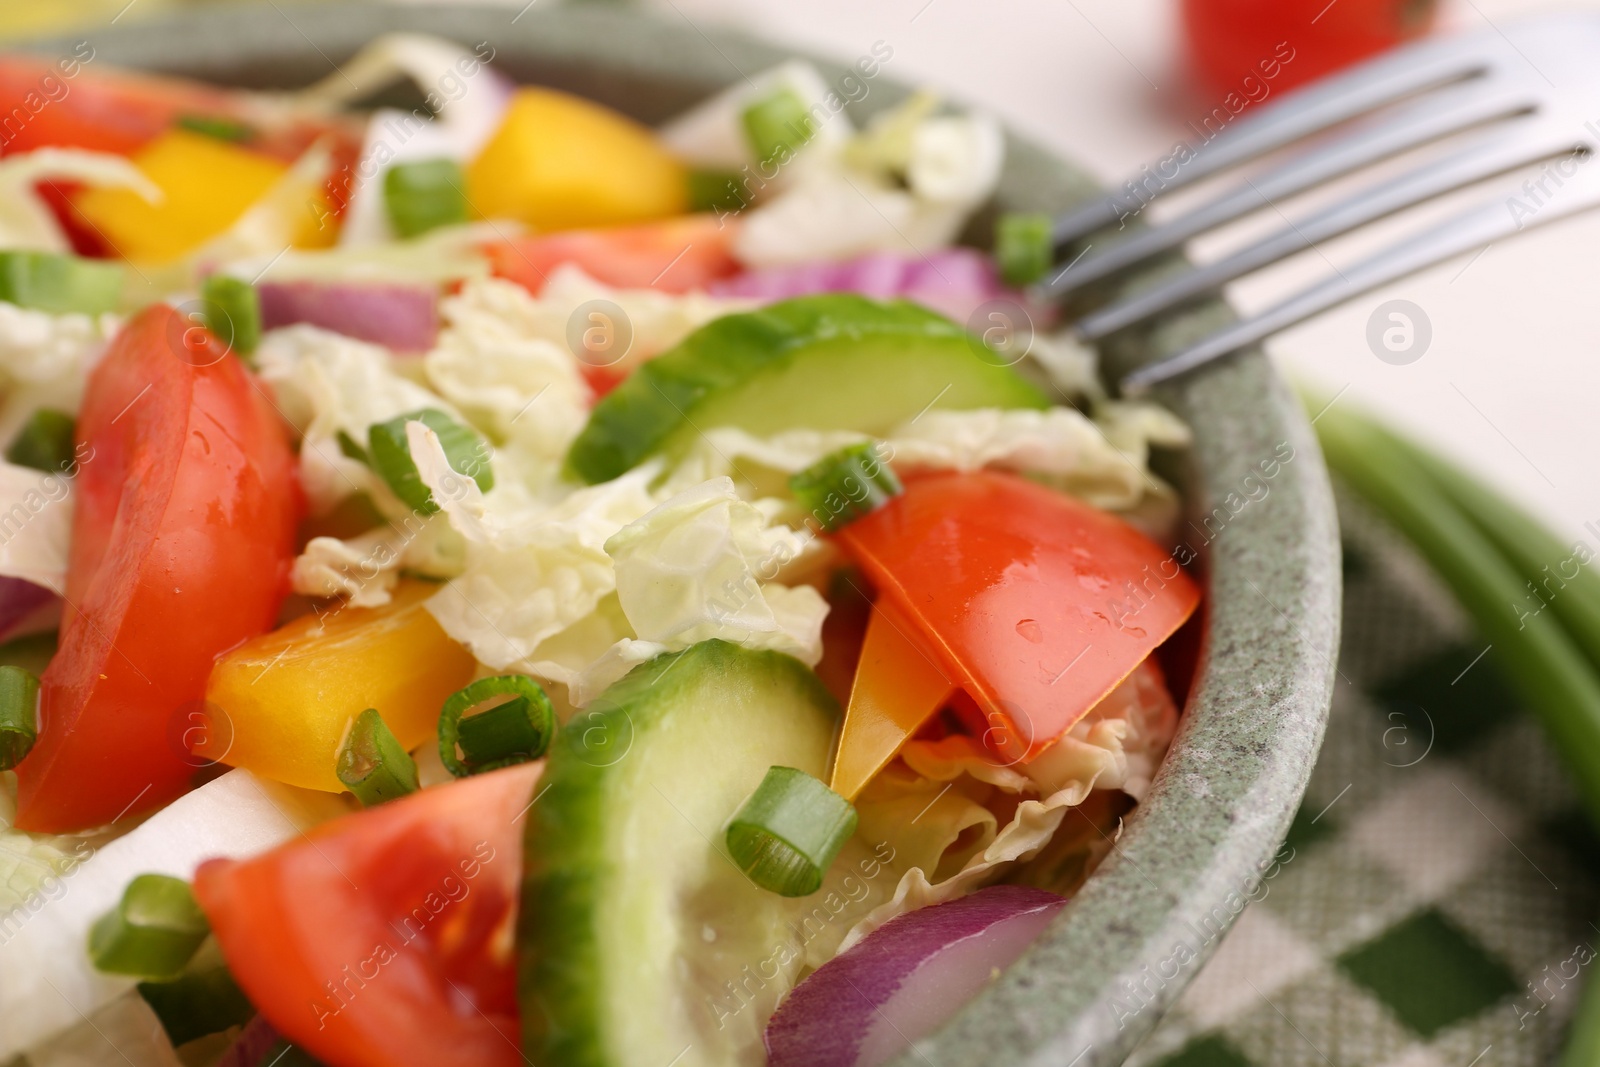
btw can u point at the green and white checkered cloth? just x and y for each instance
(1434, 903)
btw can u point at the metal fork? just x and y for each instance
(1526, 95)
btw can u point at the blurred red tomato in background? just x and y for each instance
(1234, 46)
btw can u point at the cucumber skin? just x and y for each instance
(640, 416)
(565, 865)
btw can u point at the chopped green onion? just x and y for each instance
(424, 195)
(786, 835)
(214, 126)
(373, 764)
(153, 931)
(1540, 657)
(44, 442)
(1023, 247)
(19, 715)
(846, 485)
(202, 999)
(777, 125)
(390, 455)
(352, 448)
(511, 721)
(232, 312)
(713, 190)
(48, 281)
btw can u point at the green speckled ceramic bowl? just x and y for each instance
(1260, 516)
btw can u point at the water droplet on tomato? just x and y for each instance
(1093, 582)
(1030, 631)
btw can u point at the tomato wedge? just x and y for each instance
(384, 938)
(1032, 603)
(674, 256)
(182, 539)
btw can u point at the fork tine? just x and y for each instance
(1473, 229)
(1418, 67)
(1491, 156)
(1434, 116)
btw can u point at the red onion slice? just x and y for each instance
(905, 979)
(402, 317)
(19, 601)
(952, 281)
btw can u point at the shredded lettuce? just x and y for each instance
(45, 360)
(1103, 460)
(327, 384)
(502, 360)
(908, 184)
(991, 818)
(35, 525)
(46, 979)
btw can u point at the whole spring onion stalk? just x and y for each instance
(1489, 552)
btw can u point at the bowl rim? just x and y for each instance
(1203, 838)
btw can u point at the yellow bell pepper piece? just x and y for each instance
(206, 185)
(281, 703)
(559, 162)
(897, 688)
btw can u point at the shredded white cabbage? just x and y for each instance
(327, 384)
(655, 320)
(1103, 460)
(581, 592)
(46, 980)
(497, 360)
(26, 221)
(35, 525)
(45, 361)
(959, 842)
(907, 185)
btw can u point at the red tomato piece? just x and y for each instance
(674, 256)
(385, 938)
(182, 539)
(1035, 604)
(1240, 46)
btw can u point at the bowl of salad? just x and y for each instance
(570, 539)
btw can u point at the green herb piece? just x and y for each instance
(222, 129)
(424, 195)
(44, 442)
(715, 190)
(49, 281)
(389, 453)
(777, 125)
(153, 931)
(19, 715)
(232, 310)
(786, 835)
(373, 764)
(1023, 247)
(202, 999)
(846, 485)
(495, 722)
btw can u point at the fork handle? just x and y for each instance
(1473, 229)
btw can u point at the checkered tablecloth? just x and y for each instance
(1434, 903)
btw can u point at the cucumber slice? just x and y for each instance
(641, 939)
(831, 362)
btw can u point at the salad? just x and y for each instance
(492, 582)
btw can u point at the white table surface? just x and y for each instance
(1510, 381)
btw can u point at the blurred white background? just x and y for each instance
(1511, 380)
